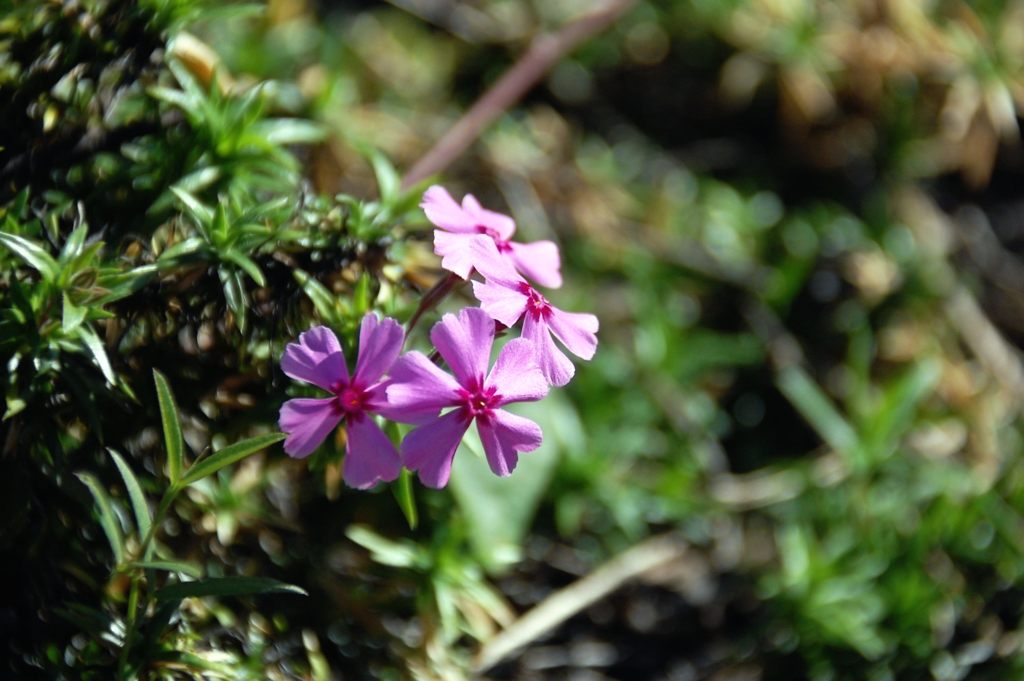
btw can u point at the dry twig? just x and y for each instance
(646, 556)
(545, 51)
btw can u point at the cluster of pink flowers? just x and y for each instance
(412, 389)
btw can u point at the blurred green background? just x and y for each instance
(800, 223)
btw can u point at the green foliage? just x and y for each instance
(153, 601)
(807, 365)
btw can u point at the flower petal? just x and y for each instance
(442, 210)
(379, 345)
(371, 457)
(418, 387)
(307, 422)
(501, 224)
(577, 330)
(557, 368)
(503, 436)
(516, 376)
(429, 449)
(505, 304)
(465, 343)
(538, 261)
(316, 358)
(456, 251)
(492, 264)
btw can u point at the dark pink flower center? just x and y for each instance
(502, 244)
(350, 399)
(478, 401)
(536, 305)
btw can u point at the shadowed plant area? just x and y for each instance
(448, 339)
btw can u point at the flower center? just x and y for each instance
(502, 244)
(536, 305)
(350, 399)
(478, 401)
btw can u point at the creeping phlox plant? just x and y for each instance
(413, 388)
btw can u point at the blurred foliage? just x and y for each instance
(798, 221)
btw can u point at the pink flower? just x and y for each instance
(459, 224)
(317, 358)
(419, 387)
(507, 297)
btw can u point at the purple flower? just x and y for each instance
(458, 225)
(507, 297)
(317, 358)
(418, 388)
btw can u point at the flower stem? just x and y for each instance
(432, 298)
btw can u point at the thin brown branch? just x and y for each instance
(646, 556)
(545, 51)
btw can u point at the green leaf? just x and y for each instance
(108, 521)
(234, 295)
(199, 180)
(73, 315)
(389, 182)
(499, 511)
(172, 427)
(361, 295)
(124, 284)
(225, 586)
(243, 261)
(402, 490)
(202, 213)
(190, 569)
(385, 551)
(182, 248)
(138, 499)
(289, 131)
(73, 246)
(33, 254)
(326, 304)
(895, 413)
(818, 410)
(95, 346)
(229, 455)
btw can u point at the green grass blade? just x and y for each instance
(95, 346)
(228, 456)
(142, 517)
(33, 254)
(820, 413)
(403, 492)
(226, 586)
(172, 427)
(108, 521)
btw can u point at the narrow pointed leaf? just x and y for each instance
(95, 346)
(228, 456)
(388, 181)
(290, 131)
(73, 246)
(403, 492)
(246, 263)
(108, 521)
(226, 586)
(172, 427)
(138, 499)
(815, 406)
(33, 254)
(202, 213)
(73, 315)
(323, 300)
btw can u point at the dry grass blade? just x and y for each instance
(563, 604)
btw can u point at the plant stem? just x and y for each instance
(146, 551)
